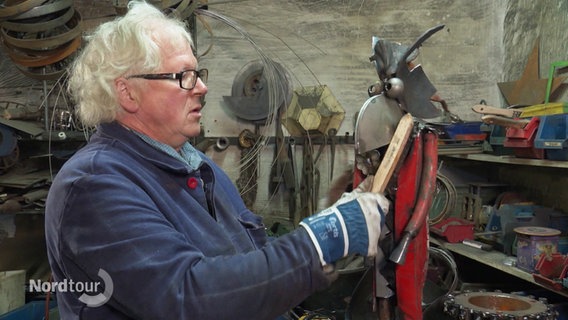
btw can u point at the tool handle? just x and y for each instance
(477, 245)
(386, 169)
(483, 109)
(505, 122)
(393, 153)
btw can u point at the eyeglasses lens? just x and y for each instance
(189, 78)
(203, 74)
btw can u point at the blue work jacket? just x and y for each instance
(176, 243)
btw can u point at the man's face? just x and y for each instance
(166, 112)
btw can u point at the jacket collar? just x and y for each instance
(134, 143)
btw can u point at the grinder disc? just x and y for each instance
(253, 88)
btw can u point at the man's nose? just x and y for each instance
(200, 87)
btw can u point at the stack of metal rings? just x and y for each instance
(40, 36)
(183, 8)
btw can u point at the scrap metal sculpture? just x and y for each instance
(403, 90)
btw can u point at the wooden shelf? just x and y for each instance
(508, 159)
(497, 260)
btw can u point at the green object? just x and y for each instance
(553, 66)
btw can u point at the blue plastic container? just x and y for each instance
(34, 310)
(465, 131)
(552, 136)
(563, 245)
(497, 141)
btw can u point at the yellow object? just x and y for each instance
(544, 109)
(313, 110)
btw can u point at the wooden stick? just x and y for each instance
(383, 175)
(393, 153)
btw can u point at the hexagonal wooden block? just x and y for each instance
(313, 110)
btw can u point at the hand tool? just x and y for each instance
(477, 245)
(524, 112)
(504, 121)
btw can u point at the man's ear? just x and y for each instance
(125, 95)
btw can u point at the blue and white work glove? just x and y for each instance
(352, 225)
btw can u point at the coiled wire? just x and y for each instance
(445, 199)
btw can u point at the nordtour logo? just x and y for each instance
(87, 289)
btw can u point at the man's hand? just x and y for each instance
(352, 225)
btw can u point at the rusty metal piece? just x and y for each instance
(309, 185)
(248, 173)
(7, 162)
(9, 9)
(40, 26)
(21, 114)
(29, 41)
(497, 305)
(530, 89)
(454, 118)
(247, 138)
(10, 206)
(45, 9)
(42, 49)
(44, 58)
(50, 72)
(385, 309)
(282, 169)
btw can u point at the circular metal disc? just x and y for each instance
(250, 94)
(376, 122)
(500, 303)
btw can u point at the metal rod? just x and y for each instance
(46, 103)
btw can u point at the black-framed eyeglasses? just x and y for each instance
(187, 78)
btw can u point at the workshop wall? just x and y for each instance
(483, 43)
(526, 21)
(330, 43)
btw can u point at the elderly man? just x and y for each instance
(158, 224)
